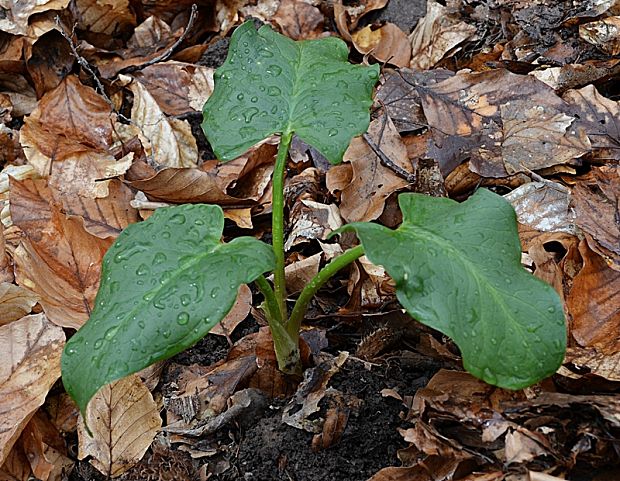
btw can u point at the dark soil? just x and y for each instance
(403, 13)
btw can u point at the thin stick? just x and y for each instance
(169, 51)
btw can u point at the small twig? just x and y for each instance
(166, 55)
(384, 159)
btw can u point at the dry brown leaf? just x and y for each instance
(596, 201)
(299, 20)
(299, 273)
(593, 303)
(539, 136)
(103, 217)
(604, 34)
(311, 220)
(167, 142)
(63, 412)
(364, 198)
(15, 302)
(20, 92)
(338, 177)
(110, 17)
(387, 44)
(238, 312)
(15, 15)
(347, 16)
(593, 361)
(436, 35)
(57, 260)
(49, 61)
(521, 448)
(30, 351)
(177, 87)
(45, 449)
(401, 100)
(124, 420)
(16, 466)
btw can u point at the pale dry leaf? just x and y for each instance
(593, 361)
(30, 351)
(312, 220)
(16, 466)
(167, 142)
(236, 315)
(436, 35)
(15, 14)
(15, 302)
(604, 34)
(544, 206)
(124, 419)
(520, 448)
(299, 273)
(22, 95)
(57, 259)
(364, 198)
(241, 217)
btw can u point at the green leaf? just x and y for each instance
(165, 283)
(457, 269)
(272, 84)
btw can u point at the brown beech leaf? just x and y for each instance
(177, 87)
(58, 260)
(180, 185)
(593, 303)
(312, 220)
(71, 118)
(593, 361)
(436, 35)
(49, 62)
(15, 302)
(400, 98)
(387, 44)
(364, 198)
(236, 315)
(299, 273)
(299, 20)
(63, 412)
(110, 17)
(15, 15)
(167, 142)
(16, 466)
(348, 16)
(45, 449)
(596, 201)
(103, 217)
(30, 352)
(124, 420)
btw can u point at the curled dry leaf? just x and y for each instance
(364, 198)
(167, 142)
(16, 466)
(15, 15)
(387, 44)
(596, 202)
(604, 34)
(593, 303)
(436, 35)
(347, 16)
(15, 302)
(57, 260)
(299, 20)
(312, 220)
(236, 315)
(49, 62)
(124, 420)
(30, 351)
(110, 17)
(299, 273)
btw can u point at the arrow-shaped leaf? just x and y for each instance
(457, 269)
(165, 283)
(272, 84)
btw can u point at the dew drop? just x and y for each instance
(214, 292)
(159, 258)
(332, 132)
(182, 318)
(166, 333)
(493, 341)
(199, 222)
(98, 344)
(525, 344)
(551, 309)
(178, 219)
(274, 70)
(342, 84)
(141, 324)
(273, 91)
(373, 75)
(185, 299)
(274, 109)
(159, 305)
(254, 99)
(143, 270)
(249, 114)
(432, 252)
(165, 234)
(110, 333)
(240, 97)
(489, 376)
(263, 52)
(148, 296)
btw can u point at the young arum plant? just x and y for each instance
(168, 280)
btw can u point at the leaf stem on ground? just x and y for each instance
(271, 304)
(277, 223)
(301, 306)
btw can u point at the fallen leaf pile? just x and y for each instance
(100, 111)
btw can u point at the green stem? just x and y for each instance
(277, 222)
(271, 304)
(301, 306)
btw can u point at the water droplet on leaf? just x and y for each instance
(182, 318)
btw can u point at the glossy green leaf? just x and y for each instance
(457, 269)
(272, 84)
(165, 283)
